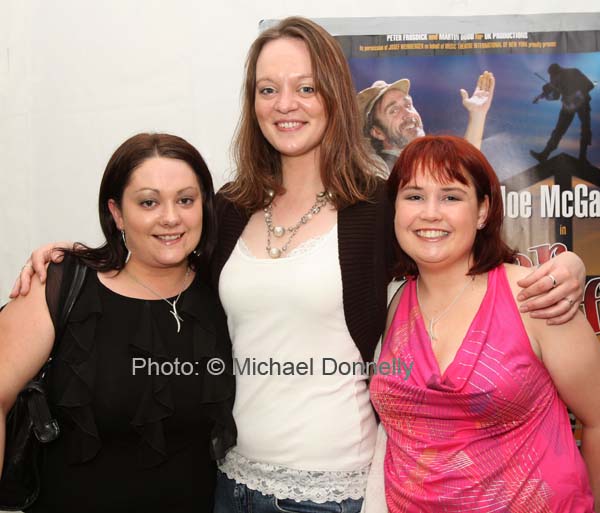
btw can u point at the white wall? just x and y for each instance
(78, 77)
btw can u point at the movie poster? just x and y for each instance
(541, 132)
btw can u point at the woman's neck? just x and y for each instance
(167, 281)
(301, 176)
(439, 282)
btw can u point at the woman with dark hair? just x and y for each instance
(136, 435)
(301, 266)
(480, 423)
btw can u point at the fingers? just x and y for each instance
(23, 283)
(552, 295)
(535, 283)
(481, 81)
(491, 82)
(558, 313)
(486, 82)
(16, 288)
(42, 256)
(541, 305)
(464, 95)
(567, 316)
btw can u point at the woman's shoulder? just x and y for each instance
(514, 273)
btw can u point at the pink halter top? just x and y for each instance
(490, 434)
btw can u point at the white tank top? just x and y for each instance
(302, 401)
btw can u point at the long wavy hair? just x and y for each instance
(124, 161)
(348, 170)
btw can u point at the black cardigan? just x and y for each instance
(365, 235)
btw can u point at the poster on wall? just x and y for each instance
(534, 97)
(541, 132)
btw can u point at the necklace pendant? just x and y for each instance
(431, 332)
(279, 231)
(274, 252)
(178, 319)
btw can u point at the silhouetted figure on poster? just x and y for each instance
(573, 88)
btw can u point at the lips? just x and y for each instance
(432, 234)
(169, 238)
(288, 125)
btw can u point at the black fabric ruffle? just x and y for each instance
(211, 340)
(75, 393)
(79, 354)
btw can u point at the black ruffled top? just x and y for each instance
(142, 420)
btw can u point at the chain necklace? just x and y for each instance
(172, 304)
(433, 320)
(280, 231)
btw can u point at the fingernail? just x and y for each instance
(521, 297)
(523, 308)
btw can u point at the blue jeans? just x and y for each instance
(232, 497)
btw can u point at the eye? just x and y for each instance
(413, 197)
(451, 197)
(306, 89)
(266, 91)
(186, 201)
(148, 203)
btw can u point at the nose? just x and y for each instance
(170, 215)
(286, 100)
(431, 209)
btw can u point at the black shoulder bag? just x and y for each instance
(29, 423)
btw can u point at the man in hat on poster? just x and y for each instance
(391, 121)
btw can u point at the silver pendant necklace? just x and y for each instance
(172, 304)
(433, 320)
(279, 231)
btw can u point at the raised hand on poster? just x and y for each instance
(478, 105)
(483, 94)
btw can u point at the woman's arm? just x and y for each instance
(542, 300)
(575, 370)
(26, 339)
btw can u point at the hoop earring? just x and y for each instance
(125, 244)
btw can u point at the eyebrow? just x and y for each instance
(157, 191)
(269, 79)
(444, 189)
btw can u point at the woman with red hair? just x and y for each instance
(479, 424)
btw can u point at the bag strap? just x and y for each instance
(79, 274)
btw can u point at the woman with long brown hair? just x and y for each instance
(302, 268)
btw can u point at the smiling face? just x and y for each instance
(436, 223)
(290, 112)
(396, 121)
(161, 213)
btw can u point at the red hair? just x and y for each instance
(448, 158)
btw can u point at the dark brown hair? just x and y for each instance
(129, 156)
(347, 169)
(448, 158)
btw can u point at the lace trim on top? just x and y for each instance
(301, 249)
(301, 485)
